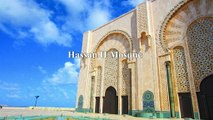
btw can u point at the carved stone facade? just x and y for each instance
(181, 70)
(111, 67)
(175, 40)
(201, 48)
(125, 78)
(142, 18)
(98, 82)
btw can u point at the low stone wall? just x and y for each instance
(40, 108)
(14, 108)
(52, 108)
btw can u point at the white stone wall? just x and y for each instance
(84, 81)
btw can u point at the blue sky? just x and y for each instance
(35, 37)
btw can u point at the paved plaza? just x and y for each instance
(7, 111)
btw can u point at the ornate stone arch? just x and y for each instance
(115, 39)
(121, 34)
(174, 30)
(175, 24)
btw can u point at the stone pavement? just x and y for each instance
(37, 112)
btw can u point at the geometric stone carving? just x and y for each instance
(148, 101)
(98, 85)
(125, 78)
(200, 43)
(142, 18)
(111, 70)
(180, 70)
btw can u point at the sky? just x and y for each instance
(35, 38)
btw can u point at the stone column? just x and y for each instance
(191, 83)
(171, 96)
(101, 105)
(92, 93)
(129, 92)
(175, 85)
(119, 90)
(95, 87)
(101, 91)
(131, 65)
(119, 105)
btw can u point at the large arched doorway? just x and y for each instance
(110, 101)
(205, 98)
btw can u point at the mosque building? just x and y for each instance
(171, 74)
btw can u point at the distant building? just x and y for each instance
(174, 76)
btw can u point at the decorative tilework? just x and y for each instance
(148, 101)
(200, 43)
(180, 70)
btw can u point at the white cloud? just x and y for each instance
(75, 6)
(77, 63)
(97, 17)
(9, 86)
(5, 30)
(13, 96)
(65, 75)
(47, 32)
(28, 14)
(85, 15)
(61, 85)
(133, 2)
(11, 90)
(27, 19)
(41, 69)
(22, 12)
(99, 14)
